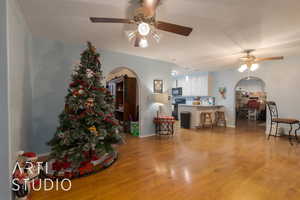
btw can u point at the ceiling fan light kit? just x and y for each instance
(131, 35)
(143, 43)
(254, 67)
(155, 36)
(147, 25)
(243, 68)
(143, 29)
(250, 62)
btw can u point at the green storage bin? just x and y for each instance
(134, 128)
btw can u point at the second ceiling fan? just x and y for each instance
(145, 19)
(250, 62)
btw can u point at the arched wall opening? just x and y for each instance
(118, 73)
(250, 97)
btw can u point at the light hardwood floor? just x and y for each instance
(218, 164)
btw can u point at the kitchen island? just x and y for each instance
(195, 111)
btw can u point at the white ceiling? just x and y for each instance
(222, 28)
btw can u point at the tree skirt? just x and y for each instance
(94, 166)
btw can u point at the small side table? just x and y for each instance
(164, 125)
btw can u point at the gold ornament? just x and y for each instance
(94, 131)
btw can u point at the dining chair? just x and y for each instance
(275, 120)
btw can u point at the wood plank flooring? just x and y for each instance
(218, 164)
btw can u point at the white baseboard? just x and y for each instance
(145, 136)
(231, 126)
(281, 131)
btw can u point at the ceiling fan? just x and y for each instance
(250, 62)
(145, 19)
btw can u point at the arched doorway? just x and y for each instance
(250, 98)
(124, 86)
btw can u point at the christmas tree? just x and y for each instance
(87, 127)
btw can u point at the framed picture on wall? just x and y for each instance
(158, 86)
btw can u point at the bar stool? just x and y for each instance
(206, 119)
(220, 117)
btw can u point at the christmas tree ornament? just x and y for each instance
(75, 73)
(81, 106)
(89, 73)
(92, 129)
(75, 93)
(88, 105)
(60, 135)
(81, 91)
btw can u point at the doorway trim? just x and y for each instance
(234, 92)
(138, 88)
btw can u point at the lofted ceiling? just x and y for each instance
(222, 28)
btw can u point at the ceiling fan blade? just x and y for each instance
(249, 58)
(174, 28)
(269, 58)
(110, 20)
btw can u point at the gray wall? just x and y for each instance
(4, 134)
(282, 85)
(53, 63)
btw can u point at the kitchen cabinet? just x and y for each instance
(195, 85)
(199, 86)
(186, 86)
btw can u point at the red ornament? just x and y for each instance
(82, 115)
(94, 157)
(57, 166)
(66, 158)
(65, 165)
(75, 93)
(83, 83)
(87, 155)
(73, 84)
(78, 82)
(101, 113)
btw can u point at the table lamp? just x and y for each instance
(160, 99)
